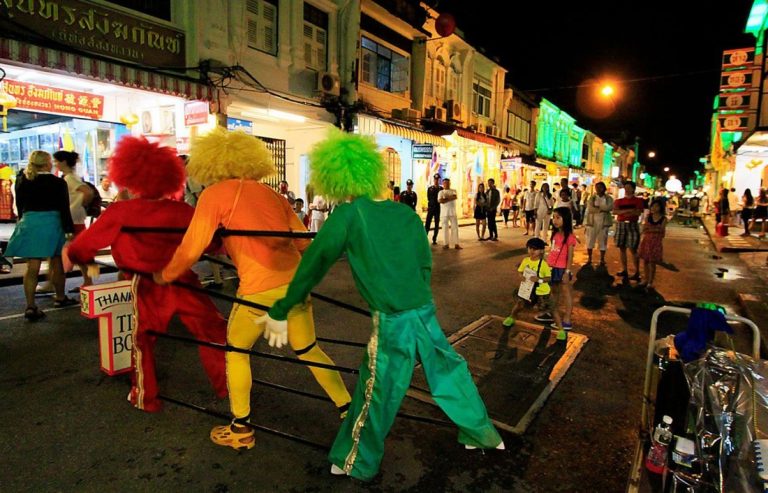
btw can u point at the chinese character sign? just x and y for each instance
(55, 100)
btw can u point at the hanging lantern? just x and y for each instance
(445, 24)
(7, 101)
(129, 119)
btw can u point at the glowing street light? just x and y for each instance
(651, 154)
(666, 168)
(607, 90)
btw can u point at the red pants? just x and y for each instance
(154, 306)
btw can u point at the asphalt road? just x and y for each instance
(67, 427)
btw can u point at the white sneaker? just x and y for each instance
(337, 471)
(498, 447)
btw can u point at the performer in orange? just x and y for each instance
(230, 165)
(151, 174)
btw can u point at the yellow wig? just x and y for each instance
(222, 155)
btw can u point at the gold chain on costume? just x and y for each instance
(373, 347)
(137, 358)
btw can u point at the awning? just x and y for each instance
(111, 72)
(553, 168)
(413, 134)
(485, 139)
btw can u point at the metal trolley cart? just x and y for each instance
(639, 479)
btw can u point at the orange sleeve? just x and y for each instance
(204, 224)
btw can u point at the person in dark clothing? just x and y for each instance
(408, 196)
(494, 199)
(42, 200)
(433, 207)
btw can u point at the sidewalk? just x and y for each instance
(753, 297)
(734, 242)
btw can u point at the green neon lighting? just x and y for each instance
(757, 18)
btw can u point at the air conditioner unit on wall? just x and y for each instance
(480, 128)
(328, 83)
(493, 130)
(435, 113)
(408, 114)
(453, 110)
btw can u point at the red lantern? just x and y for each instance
(445, 24)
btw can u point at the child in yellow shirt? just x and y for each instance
(533, 262)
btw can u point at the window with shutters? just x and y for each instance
(382, 67)
(315, 38)
(428, 78)
(481, 98)
(519, 121)
(454, 80)
(440, 79)
(261, 25)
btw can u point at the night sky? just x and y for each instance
(555, 44)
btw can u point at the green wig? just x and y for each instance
(347, 165)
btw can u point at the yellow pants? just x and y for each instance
(243, 333)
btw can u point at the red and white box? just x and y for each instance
(112, 304)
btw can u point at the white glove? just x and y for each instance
(275, 331)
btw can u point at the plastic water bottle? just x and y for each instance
(656, 461)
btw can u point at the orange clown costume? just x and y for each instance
(152, 173)
(231, 164)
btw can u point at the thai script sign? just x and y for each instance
(96, 29)
(55, 100)
(195, 113)
(742, 57)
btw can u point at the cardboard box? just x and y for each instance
(112, 304)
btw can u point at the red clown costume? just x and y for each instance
(151, 174)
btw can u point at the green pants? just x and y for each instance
(385, 374)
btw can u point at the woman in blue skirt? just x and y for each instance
(42, 200)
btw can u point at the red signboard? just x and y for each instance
(737, 79)
(742, 57)
(55, 100)
(195, 113)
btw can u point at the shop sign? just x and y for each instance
(96, 29)
(236, 124)
(737, 79)
(195, 113)
(738, 122)
(49, 99)
(511, 163)
(741, 57)
(423, 151)
(540, 176)
(738, 100)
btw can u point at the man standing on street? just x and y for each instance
(628, 211)
(529, 207)
(408, 196)
(289, 196)
(494, 199)
(433, 207)
(447, 198)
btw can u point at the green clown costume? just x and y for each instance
(392, 273)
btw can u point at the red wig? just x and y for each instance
(146, 169)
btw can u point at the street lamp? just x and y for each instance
(666, 169)
(607, 90)
(651, 154)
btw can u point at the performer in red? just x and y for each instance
(152, 174)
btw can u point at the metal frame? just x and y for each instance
(634, 477)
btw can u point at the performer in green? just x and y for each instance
(391, 263)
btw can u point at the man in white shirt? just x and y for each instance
(318, 208)
(447, 198)
(529, 199)
(106, 191)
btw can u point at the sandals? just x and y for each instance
(33, 314)
(5, 269)
(64, 302)
(227, 437)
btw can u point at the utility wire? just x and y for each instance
(627, 81)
